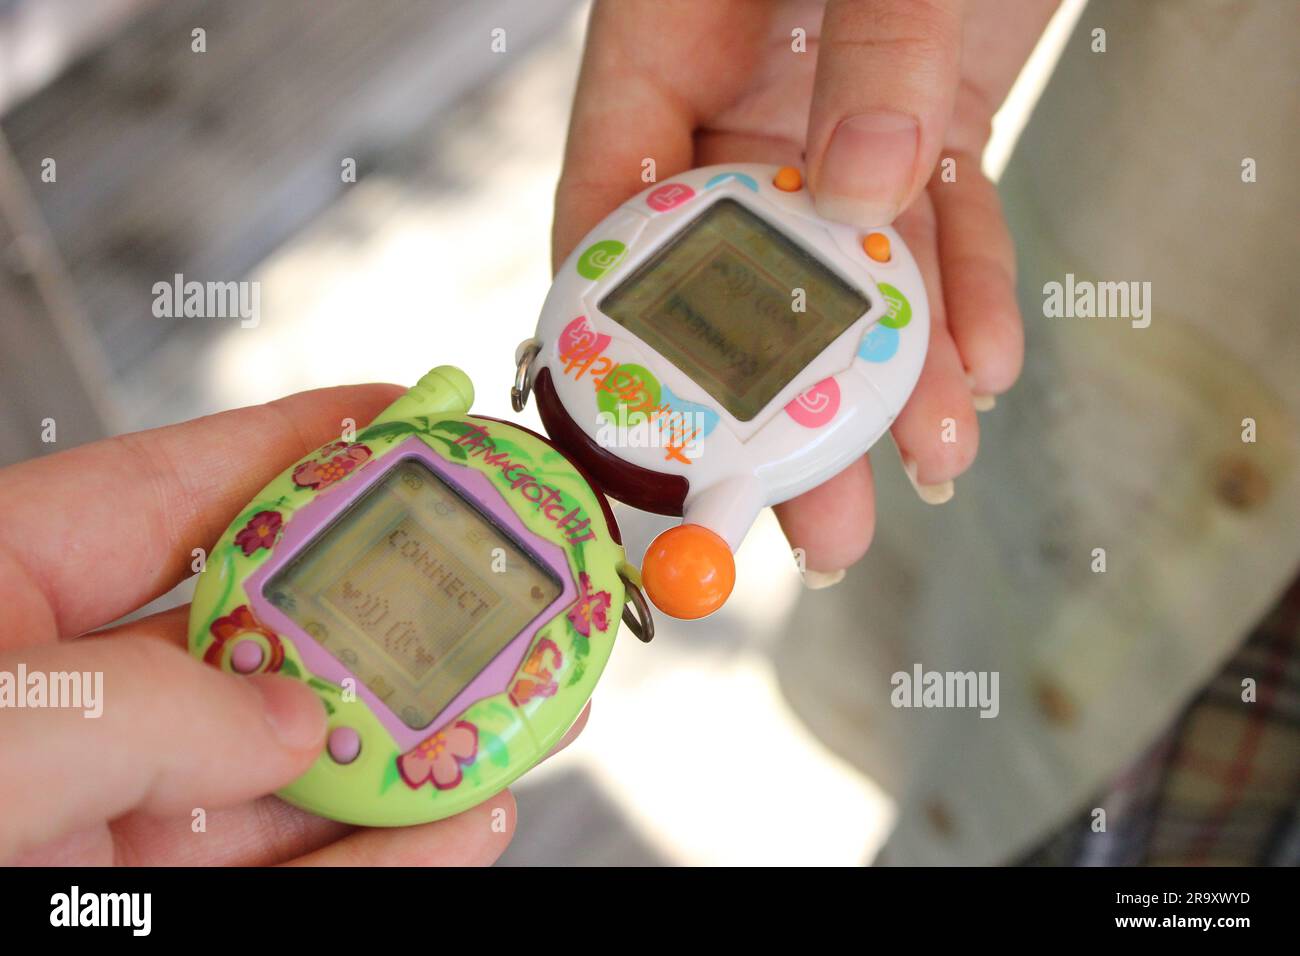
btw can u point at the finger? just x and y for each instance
(572, 733)
(640, 93)
(171, 735)
(109, 526)
(979, 279)
(170, 626)
(833, 523)
(719, 146)
(258, 833)
(476, 837)
(887, 74)
(936, 432)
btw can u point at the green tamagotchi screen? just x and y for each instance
(736, 305)
(414, 590)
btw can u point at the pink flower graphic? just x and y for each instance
(240, 621)
(590, 608)
(439, 758)
(260, 532)
(332, 463)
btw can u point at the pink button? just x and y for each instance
(817, 406)
(579, 340)
(669, 196)
(344, 744)
(247, 656)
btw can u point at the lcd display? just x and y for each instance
(408, 590)
(719, 301)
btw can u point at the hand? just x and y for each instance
(885, 89)
(91, 534)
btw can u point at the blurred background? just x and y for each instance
(227, 165)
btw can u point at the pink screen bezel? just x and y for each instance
(314, 518)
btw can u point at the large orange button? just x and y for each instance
(788, 179)
(688, 571)
(876, 245)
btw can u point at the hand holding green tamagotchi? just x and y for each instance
(449, 585)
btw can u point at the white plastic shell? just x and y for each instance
(829, 414)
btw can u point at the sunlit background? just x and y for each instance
(438, 254)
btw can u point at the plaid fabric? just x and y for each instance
(1223, 786)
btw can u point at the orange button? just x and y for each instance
(688, 571)
(789, 179)
(876, 245)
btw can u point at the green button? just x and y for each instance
(632, 388)
(899, 310)
(600, 257)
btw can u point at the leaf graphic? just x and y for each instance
(452, 427)
(456, 451)
(388, 430)
(391, 773)
(580, 644)
(324, 685)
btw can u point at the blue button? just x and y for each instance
(879, 344)
(738, 177)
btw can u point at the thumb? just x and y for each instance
(887, 74)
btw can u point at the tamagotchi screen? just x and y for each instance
(414, 590)
(736, 305)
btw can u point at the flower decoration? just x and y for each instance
(238, 624)
(590, 608)
(260, 532)
(440, 757)
(537, 677)
(332, 463)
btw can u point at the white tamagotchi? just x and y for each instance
(713, 347)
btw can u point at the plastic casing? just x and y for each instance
(830, 414)
(517, 709)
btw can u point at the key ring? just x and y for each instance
(640, 623)
(522, 388)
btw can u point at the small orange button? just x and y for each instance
(876, 245)
(688, 571)
(789, 179)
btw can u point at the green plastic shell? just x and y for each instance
(513, 729)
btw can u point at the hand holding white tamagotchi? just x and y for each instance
(713, 347)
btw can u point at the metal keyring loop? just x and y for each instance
(523, 388)
(642, 624)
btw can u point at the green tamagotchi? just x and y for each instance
(449, 585)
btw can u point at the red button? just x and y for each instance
(816, 406)
(669, 196)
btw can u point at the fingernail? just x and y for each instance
(868, 168)
(816, 580)
(982, 403)
(295, 722)
(930, 494)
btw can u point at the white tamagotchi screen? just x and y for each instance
(736, 305)
(414, 590)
